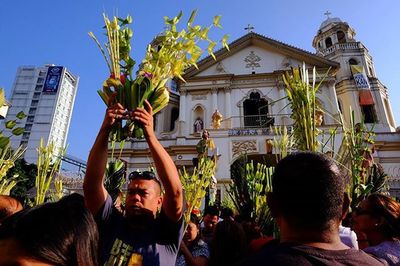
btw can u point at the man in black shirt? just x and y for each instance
(308, 201)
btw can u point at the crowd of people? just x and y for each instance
(308, 202)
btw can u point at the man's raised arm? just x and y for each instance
(93, 187)
(173, 198)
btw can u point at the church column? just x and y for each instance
(334, 101)
(283, 105)
(228, 103)
(182, 112)
(214, 92)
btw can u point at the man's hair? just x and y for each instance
(211, 210)
(60, 233)
(309, 190)
(145, 175)
(8, 206)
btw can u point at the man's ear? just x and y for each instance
(272, 204)
(159, 201)
(346, 205)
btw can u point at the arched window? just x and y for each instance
(352, 61)
(341, 36)
(328, 42)
(368, 113)
(256, 111)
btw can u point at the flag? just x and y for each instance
(361, 80)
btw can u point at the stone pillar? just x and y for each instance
(228, 103)
(214, 92)
(182, 112)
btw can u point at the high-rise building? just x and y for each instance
(46, 95)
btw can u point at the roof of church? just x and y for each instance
(329, 21)
(251, 38)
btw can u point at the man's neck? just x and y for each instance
(325, 239)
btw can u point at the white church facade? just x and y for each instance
(245, 86)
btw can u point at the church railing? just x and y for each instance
(342, 47)
(258, 121)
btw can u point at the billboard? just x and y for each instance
(53, 79)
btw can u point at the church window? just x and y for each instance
(174, 116)
(368, 113)
(341, 37)
(256, 111)
(328, 42)
(352, 61)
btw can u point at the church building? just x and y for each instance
(240, 97)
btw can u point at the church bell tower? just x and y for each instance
(356, 82)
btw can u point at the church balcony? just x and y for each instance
(349, 46)
(255, 121)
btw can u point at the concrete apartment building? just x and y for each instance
(46, 95)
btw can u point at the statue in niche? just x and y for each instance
(216, 119)
(198, 125)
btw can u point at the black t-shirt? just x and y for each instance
(120, 245)
(301, 255)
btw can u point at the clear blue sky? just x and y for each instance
(42, 32)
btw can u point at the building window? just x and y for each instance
(328, 42)
(341, 37)
(32, 111)
(34, 102)
(368, 113)
(256, 111)
(28, 127)
(30, 119)
(40, 80)
(352, 61)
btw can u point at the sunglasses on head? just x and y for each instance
(147, 175)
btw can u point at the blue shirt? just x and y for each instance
(121, 245)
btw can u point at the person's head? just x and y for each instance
(8, 206)
(60, 233)
(377, 214)
(228, 244)
(143, 195)
(210, 217)
(192, 234)
(227, 213)
(205, 134)
(308, 192)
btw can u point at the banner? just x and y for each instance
(361, 80)
(53, 79)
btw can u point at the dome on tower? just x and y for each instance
(329, 21)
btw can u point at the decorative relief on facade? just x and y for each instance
(240, 147)
(220, 68)
(199, 97)
(252, 60)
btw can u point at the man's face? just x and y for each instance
(142, 195)
(210, 221)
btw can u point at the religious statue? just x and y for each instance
(319, 117)
(204, 145)
(269, 146)
(216, 119)
(198, 125)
